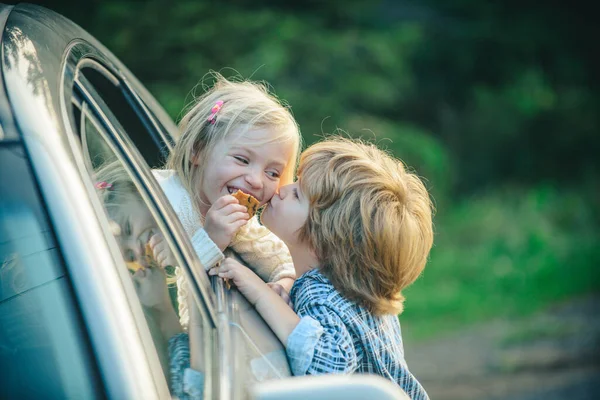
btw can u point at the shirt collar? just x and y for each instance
(314, 274)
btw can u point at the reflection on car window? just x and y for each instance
(144, 250)
(43, 350)
(107, 118)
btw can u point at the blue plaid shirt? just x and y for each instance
(336, 335)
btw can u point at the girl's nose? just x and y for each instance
(254, 179)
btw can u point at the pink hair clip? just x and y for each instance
(213, 112)
(103, 185)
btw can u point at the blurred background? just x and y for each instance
(495, 104)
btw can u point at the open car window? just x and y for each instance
(257, 355)
(120, 138)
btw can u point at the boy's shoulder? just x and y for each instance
(314, 288)
(313, 277)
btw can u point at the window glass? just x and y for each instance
(44, 351)
(260, 353)
(146, 254)
(106, 105)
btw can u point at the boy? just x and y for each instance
(359, 229)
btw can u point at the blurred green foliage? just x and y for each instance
(509, 90)
(506, 253)
(495, 104)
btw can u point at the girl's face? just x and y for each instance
(286, 213)
(244, 162)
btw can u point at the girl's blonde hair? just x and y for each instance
(246, 105)
(369, 223)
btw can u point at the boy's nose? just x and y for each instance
(284, 190)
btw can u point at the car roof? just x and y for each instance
(34, 43)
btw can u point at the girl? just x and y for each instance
(235, 136)
(359, 230)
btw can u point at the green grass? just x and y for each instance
(505, 254)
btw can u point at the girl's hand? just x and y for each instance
(161, 251)
(151, 287)
(223, 219)
(282, 287)
(248, 283)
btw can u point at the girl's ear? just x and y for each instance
(196, 158)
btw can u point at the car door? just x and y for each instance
(49, 104)
(248, 350)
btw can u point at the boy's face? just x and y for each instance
(247, 162)
(286, 213)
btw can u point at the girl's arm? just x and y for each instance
(317, 343)
(265, 254)
(274, 310)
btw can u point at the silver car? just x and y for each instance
(72, 324)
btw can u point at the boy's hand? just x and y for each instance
(161, 251)
(248, 283)
(223, 219)
(282, 287)
(151, 287)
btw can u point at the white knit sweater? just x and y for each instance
(258, 247)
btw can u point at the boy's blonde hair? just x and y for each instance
(246, 105)
(369, 223)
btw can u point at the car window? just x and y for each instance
(258, 355)
(135, 222)
(44, 352)
(141, 127)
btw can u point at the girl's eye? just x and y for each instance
(273, 174)
(241, 159)
(296, 193)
